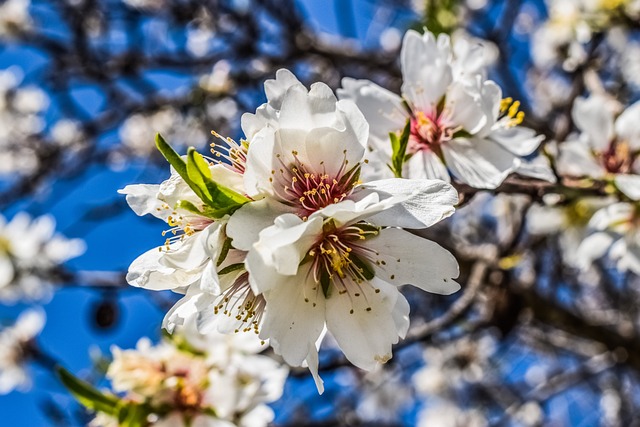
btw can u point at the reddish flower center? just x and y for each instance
(430, 130)
(618, 158)
(308, 191)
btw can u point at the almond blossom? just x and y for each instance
(459, 123)
(195, 380)
(607, 147)
(614, 232)
(30, 251)
(338, 270)
(16, 342)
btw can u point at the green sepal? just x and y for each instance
(133, 415)
(231, 268)
(172, 157)
(89, 396)
(325, 282)
(364, 267)
(222, 199)
(399, 149)
(224, 251)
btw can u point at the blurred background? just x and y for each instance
(85, 85)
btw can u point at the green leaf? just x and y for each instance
(88, 395)
(172, 157)
(217, 196)
(364, 267)
(231, 268)
(224, 251)
(325, 282)
(399, 149)
(133, 415)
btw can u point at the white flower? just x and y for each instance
(14, 17)
(443, 413)
(213, 380)
(30, 251)
(339, 270)
(606, 148)
(14, 350)
(567, 221)
(306, 152)
(453, 365)
(458, 122)
(614, 232)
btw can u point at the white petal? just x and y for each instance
(614, 216)
(282, 246)
(403, 258)
(627, 127)
(629, 185)
(245, 225)
(577, 160)
(307, 110)
(465, 108)
(426, 164)
(148, 271)
(294, 319)
(427, 202)
(593, 117)
(519, 140)
(593, 247)
(365, 326)
(538, 168)
(225, 176)
(260, 158)
(383, 109)
(479, 163)
(327, 148)
(275, 89)
(425, 70)
(143, 198)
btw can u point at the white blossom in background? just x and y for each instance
(460, 125)
(14, 18)
(613, 232)
(568, 221)
(218, 81)
(147, 5)
(15, 343)
(383, 395)
(213, 380)
(30, 251)
(454, 365)
(136, 132)
(607, 146)
(21, 121)
(443, 413)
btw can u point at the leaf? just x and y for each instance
(218, 196)
(231, 268)
(364, 267)
(399, 149)
(172, 157)
(89, 396)
(224, 251)
(325, 282)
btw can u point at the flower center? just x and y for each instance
(181, 226)
(340, 261)
(430, 130)
(618, 158)
(307, 190)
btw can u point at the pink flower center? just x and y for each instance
(430, 130)
(299, 186)
(618, 158)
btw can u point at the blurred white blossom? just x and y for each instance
(30, 251)
(195, 380)
(15, 343)
(14, 17)
(442, 413)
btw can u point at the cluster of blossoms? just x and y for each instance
(193, 380)
(30, 252)
(571, 26)
(299, 229)
(16, 346)
(604, 152)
